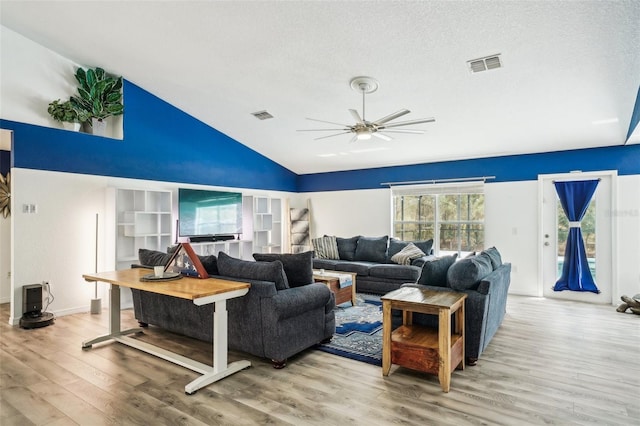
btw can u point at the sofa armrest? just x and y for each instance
(297, 300)
(499, 279)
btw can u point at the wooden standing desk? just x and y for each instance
(201, 292)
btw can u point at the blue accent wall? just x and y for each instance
(163, 143)
(160, 143)
(624, 159)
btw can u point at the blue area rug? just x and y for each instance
(358, 331)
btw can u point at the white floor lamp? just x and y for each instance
(96, 303)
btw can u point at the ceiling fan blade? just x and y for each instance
(392, 116)
(381, 136)
(321, 130)
(410, 122)
(330, 122)
(330, 136)
(356, 116)
(415, 132)
(354, 139)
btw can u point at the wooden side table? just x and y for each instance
(329, 278)
(423, 348)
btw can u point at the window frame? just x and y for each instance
(436, 190)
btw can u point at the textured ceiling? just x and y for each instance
(570, 77)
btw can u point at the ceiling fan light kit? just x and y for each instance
(364, 129)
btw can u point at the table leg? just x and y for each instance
(459, 330)
(220, 368)
(386, 337)
(114, 320)
(444, 348)
(353, 291)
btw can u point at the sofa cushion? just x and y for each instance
(210, 264)
(407, 254)
(425, 246)
(395, 246)
(326, 247)
(372, 249)
(405, 273)
(325, 263)
(158, 258)
(298, 267)
(347, 247)
(434, 272)
(153, 257)
(248, 270)
(494, 255)
(467, 273)
(360, 268)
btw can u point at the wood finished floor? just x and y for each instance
(551, 362)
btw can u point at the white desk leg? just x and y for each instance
(220, 329)
(220, 368)
(114, 320)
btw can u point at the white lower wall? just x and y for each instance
(627, 229)
(5, 259)
(57, 244)
(511, 225)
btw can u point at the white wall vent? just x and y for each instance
(262, 115)
(483, 64)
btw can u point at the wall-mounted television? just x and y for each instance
(203, 212)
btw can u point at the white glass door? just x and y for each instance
(597, 234)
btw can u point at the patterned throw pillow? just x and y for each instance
(404, 256)
(326, 247)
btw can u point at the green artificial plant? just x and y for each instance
(66, 112)
(100, 95)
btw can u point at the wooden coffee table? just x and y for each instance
(342, 295)
(422, 348)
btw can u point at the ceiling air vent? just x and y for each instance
(483, 64)
(262, 115)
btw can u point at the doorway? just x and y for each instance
(597, 228)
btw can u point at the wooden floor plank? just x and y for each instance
(551, 362)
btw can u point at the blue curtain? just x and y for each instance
(575, 197)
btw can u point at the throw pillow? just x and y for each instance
(153, 257)
(325, 247)
(248, 270)
(494, 255)
(297, 267)
(372, 249)
(210, 264)
(407, 254)
(347, 247)
(434, 272)
(467, 273)
(395, 245)
(425, 246)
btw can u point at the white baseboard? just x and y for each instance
(71, 311)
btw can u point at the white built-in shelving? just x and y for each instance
(267, 224)
(143, 220)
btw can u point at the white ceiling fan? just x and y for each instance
(363, 129)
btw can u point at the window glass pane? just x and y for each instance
(449, 236)
(471, 237)
(448, 207)
(458, 218)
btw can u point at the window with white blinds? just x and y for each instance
(450, 213)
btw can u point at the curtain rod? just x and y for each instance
(573, 180)
(432, 181)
